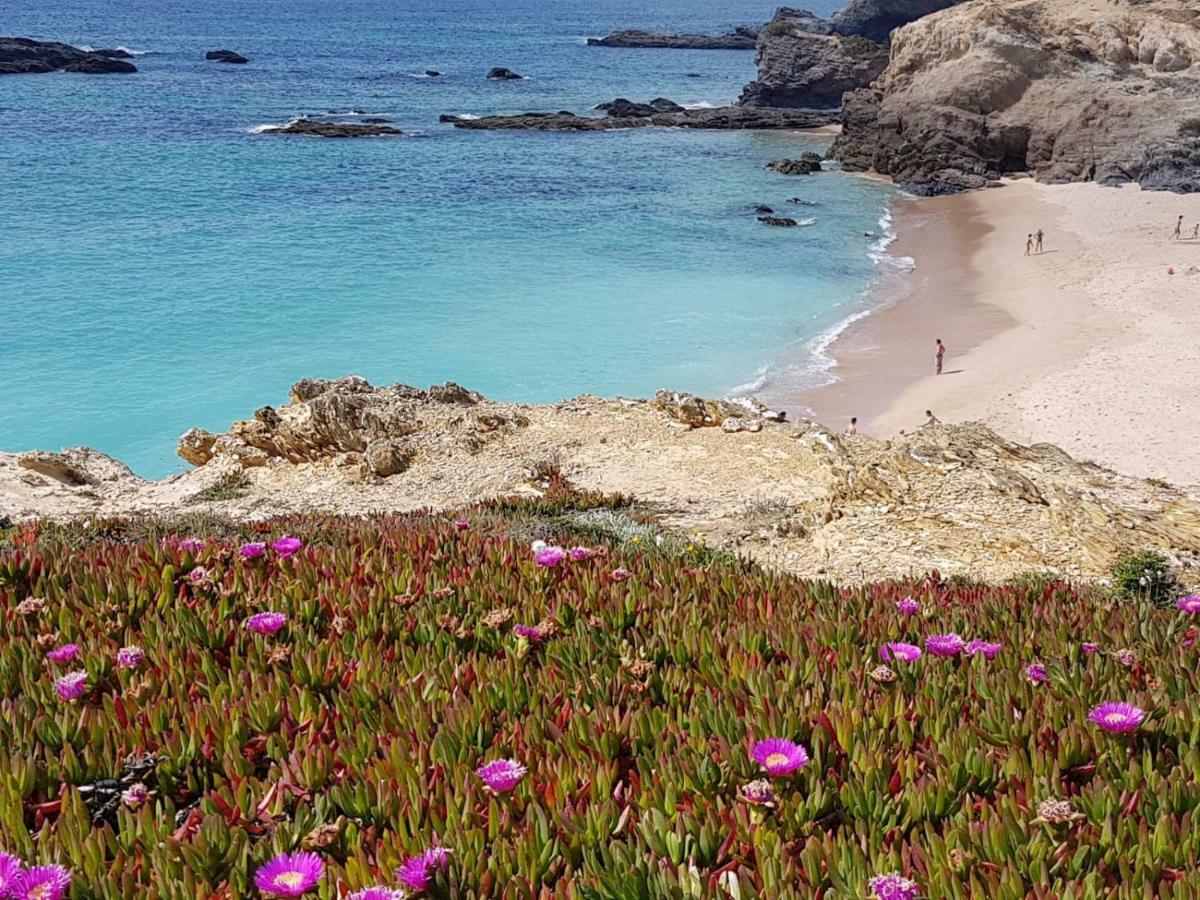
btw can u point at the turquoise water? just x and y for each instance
(162, 265)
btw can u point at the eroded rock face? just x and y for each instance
(1068, 90)
(741, 39)
(22, 56)
(798, 68)
(875, 19)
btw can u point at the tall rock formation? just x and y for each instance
(1067, 90)
(875, 19)
(800, 68)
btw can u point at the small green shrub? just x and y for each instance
(1144, 576)
(858, 47)
(229, 486)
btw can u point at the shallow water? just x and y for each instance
(164, 266)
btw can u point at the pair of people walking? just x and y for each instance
(1178, 235)
(1033, 242)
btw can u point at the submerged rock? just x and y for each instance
(778, 221)
(317, 128)
(226, 56)
(23, 56)
(741, 39)
(499, 73)
(720, 118)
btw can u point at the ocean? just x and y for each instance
(164, 264)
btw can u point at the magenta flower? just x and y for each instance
(501, 775)
(1190, 605)
(41, 883)
(10, 871)
(418, 871)
(1036, 673)
(987, 648)
(191, 545)
(549, 557)
(893, 887)
(60, 656)
(528, 632)
(619, 574)
(462, 524)
(377, 893)
(266, 622)
(908, 606)
(1117, 717)
(252, 550)
(71, 686)
(944, 644)
(1089, 648)
(290, 874)
(779, 756)
(130, 657)
(135, 795)
(578, 554)
(287, 545)
(898, 650)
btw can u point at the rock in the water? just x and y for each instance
(778, 221)
(375, 120)
(801, 69)
(499, 73)
(764, 210)
(741, 39)
(622, 108)
(226, 56)
(720, 118)
(432, 73)
(114, 53)
(807, 164)
(22, 56)
(317, 128)
(1067, 90)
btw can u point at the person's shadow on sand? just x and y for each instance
(954, 371)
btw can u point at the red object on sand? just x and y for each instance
(1170, 270)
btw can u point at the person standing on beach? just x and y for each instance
(1178, 228)
(931, 419)
(1040, 235)
(852, 428)
(940, 354)
(1028, 244)
(1195, 232)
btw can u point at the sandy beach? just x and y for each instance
(1091, 345)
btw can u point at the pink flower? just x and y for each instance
(130, 657)
(1190, 605)
(908, 606)
(191, 545)
(462, 524)
(252, 550)
(377, 893)
(287, 545)
(1036, 673)
(1117, 717)
(944, 644)
(71, 686)
(41, 883)
(779, 756)
(529, 632)
(1089, 648)
(418, 871)
(10, 871)
(266, 622)
(501, 775)
(135, 795)
(578, 554)
(987, 648)
(898, 650)
(290, 874)
(619, 574)
(549, 557)
(893, 887)
(64, 654)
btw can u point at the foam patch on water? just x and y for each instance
(129, 50)
(700, 104)
(271, 126)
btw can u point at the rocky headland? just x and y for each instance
(740, 39)
(793, 495)
(1066, 91)
(22, 56)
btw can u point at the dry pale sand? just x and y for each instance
(1091, 345)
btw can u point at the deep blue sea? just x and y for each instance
(163, 265)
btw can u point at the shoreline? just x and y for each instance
(1056, 347)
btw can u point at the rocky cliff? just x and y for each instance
(793, 495)
(800, 68)
(1068, 90)
(875, 19)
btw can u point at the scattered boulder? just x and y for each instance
(387, 457)
(23, 56)
(740, 39)
(499, 73)
(807, 164)
(317, 128)
(697, 412)
(778, 221)
(226, 56)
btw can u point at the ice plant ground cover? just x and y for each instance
(358, 731)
